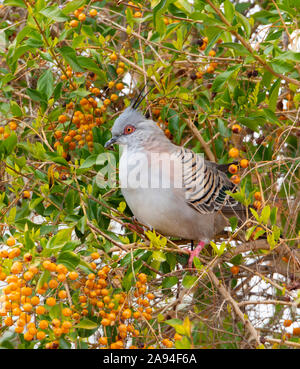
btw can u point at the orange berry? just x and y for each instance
(119, 86)
(103, 340)
(95, 255)
(177, 337)
(244, 163)
(13, 126)
(62, 118)
(136, 314)
(19, 329)
(82, 17)
(233, 152)
(166, 342)
(210, 69)
(126, 314)
(113, 57)
(60, 268)
(114, 97)
(212, 53)
(8, 321)
(93, 13)
(62, 294)
(28, 276)
(296, 331)
(28, 336)
(66, 312)
(61, 277)
(51, 301)
(53, 283)
(43, 324)
(35, 300)
(287, 323)
(11, 241)
(40, 335)
(258, 196)
(1, 130)
(105, 322)
(137, 15)
(233, 169)
(74, 23)
(236, 128)
(40, 310)
(120, 71)
(27, 307)
(46, 264)
(56, 322)
(73, 275)
(142, 277)
(66, 325)
(27, 257)
(16, 267)
(26, 194)
(257, 204)
(235, 179)
(111, 84)
(234, 269)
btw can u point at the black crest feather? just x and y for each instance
(140, 97)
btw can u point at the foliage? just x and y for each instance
(225, 75)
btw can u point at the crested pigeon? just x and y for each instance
(170, 188)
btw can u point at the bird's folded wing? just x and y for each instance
(205, 185)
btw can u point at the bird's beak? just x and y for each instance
(110, 142)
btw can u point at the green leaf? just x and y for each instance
(273, 94)
(233, 223)
(72, 5)
(28, 242)
(189, 280)
(18, 3)
(86, 324)
(221, 79)
(35, 95)
(45, 83)
(253, 122)
(229, 10)
(69, 259)
(70, 57)
(239, 48)
(169, 282)
(15, 109)
(158, 22)
(54, 13)
(59, 239)
(89, 162)
(184, 343)
(158, 256)
(10, 143)
(249, 232)
(273, 215)
(245, 23)
(265, 214)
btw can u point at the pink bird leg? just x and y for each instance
(195, 253)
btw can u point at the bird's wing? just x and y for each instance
(205, 185)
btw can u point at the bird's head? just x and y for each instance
(132, 127)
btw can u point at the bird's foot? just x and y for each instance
(195, 253)
(134, 227)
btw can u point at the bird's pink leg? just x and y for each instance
(195, 253)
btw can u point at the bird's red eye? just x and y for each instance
(128, 129)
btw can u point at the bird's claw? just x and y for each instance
(195, 253)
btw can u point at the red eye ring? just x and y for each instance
(129, 129)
